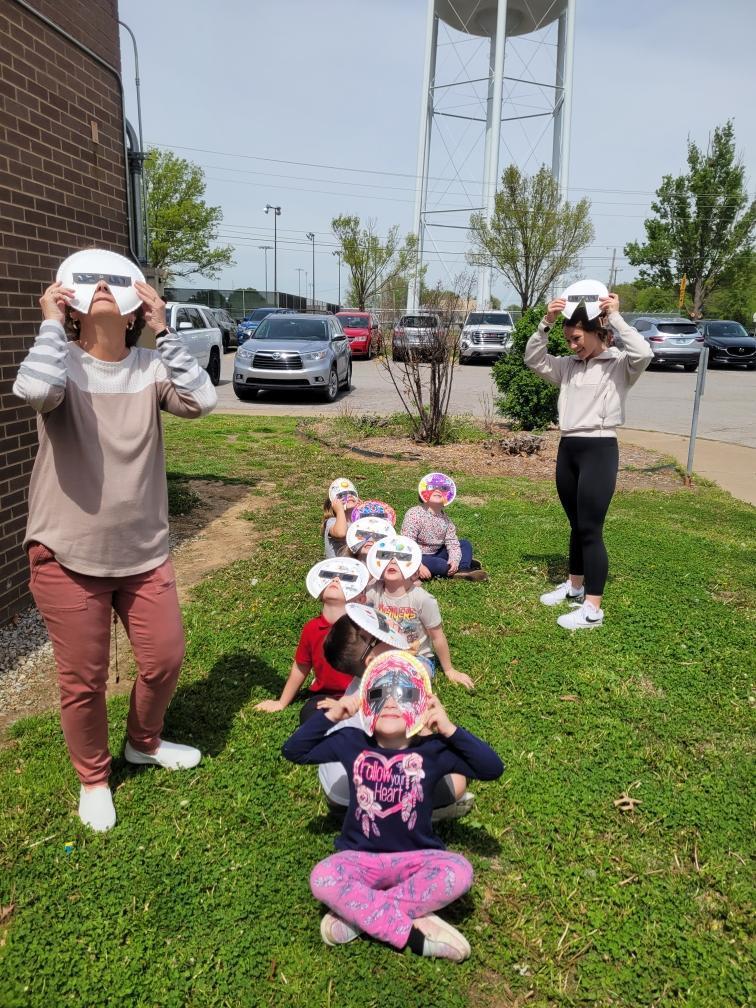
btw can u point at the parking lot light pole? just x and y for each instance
(265, 250)
(338, 253)
(311, 237)
(300, 271)
(276, 214)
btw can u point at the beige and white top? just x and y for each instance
(591, 393)
(98, 497)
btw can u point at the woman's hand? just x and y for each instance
(461, 678)
(609, 304)
(53, 302)
(437, 719)
(154, 306)
(556, 307)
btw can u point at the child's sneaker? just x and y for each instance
(456, 810)
(442, 941)
(335, 931)
(582, 617)
(563, 593)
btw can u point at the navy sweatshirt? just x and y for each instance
(391, 790)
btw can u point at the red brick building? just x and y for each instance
(63, 186)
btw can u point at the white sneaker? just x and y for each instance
(582, 617)
(563, 593)
(336, 931)
(442, 940)
(456, 810)
(169, 755)
(96, 808)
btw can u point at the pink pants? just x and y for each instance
(383, 893)
(78, 612)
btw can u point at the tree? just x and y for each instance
(704, 224)
(533, 237)
(374, 265)
(182, 227)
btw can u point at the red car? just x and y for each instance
(363, 332)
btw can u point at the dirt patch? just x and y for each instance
(201, 542)
(640, 468)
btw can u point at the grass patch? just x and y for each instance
(181, 500)
(199, 897)
(350, 428)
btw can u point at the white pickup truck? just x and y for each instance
(486, 334)
(202, 337)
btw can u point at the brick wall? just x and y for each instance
(59, 191)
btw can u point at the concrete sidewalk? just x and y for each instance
(731, 466)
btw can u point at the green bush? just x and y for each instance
(527, 401)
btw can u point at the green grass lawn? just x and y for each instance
(200, 895)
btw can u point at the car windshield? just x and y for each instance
(677, 328)
(258, 314)
(726, 329)
(354, 321)
(488, 318)
(285, 328)
(418, 322)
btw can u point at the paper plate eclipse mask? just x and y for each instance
(377, 624)
(587, 292)
(374, 509)
(367, 530)
(345, 491)
(84, 270)
(352, 576)
(437, 481)
(400, 676)
(405, 551)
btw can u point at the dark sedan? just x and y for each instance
(728, 343)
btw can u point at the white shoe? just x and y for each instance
(168, 755)
(456, 810)
(442, 941)
(336, 931)
(582, 617)
(563, 593)
(96, 808)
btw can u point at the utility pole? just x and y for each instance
(311, 237)
(276, 214)
(338, 253)
(300, 271)
(265, 249)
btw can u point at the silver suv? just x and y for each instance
(417, 335)
(673, 339)
(294, 353)
(485, 334)
(199, 333)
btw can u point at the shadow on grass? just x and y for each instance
(555, 564)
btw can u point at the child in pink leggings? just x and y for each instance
(391, 872)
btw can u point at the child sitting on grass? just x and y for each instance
(444, 554)
(337, 507)
(393, 563)
(334, 582)
(391, 871)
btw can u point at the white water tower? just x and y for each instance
(497, 21)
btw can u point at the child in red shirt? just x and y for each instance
(334, 582)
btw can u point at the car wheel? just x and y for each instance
(348, 382)
(332, 388)
(245, 394)
(464, 360)
(214, 366)
(691, 367)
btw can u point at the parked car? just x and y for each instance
(728, 343)
(252, 320)
(196, 326)
(293, 352)
(417, 334)
(673, 339)
(485, 335)
(227, 326)
(363, 332)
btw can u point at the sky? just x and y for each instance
(315, 107)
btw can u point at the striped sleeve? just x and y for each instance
(41, 379)
(184, 387)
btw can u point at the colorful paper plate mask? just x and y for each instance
(351, 573)
(405, 551)
(367, 530)
(378, 625)
(587, 292)
(346, 492)
(374, 509)
(84, 270)
(437, 481)
(400, 676)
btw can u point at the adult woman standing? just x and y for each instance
(97, 534)
(593, 384)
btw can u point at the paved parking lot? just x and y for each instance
(661, 400)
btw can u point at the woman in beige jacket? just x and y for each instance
(593, 384)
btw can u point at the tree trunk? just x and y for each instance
(698, 299)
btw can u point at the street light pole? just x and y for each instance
(276, 214)
(311, 237)
(145, 225)
(265, 249)
(338, 253)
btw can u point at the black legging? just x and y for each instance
(586, 475)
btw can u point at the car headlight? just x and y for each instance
(244, 355)
(316, 355)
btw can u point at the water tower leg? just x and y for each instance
(423, 152)
(563, 114)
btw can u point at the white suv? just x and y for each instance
(201, 336)
(485, 334)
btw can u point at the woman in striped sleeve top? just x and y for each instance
(97, 532)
